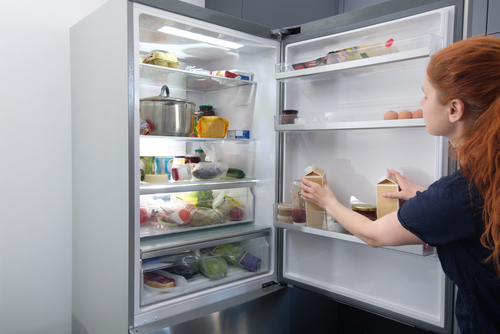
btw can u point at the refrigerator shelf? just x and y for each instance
(422, 250)
(187, 139)
(399, 123)
(187, 80)
(171, 187)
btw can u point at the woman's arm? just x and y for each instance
(386, 231)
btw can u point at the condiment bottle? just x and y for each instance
(367, 210)
(288, 116)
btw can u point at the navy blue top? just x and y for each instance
(446, 216)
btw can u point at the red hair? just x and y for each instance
(469, 70)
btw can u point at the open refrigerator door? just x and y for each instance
(351, 108)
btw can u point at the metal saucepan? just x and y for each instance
(168, 116)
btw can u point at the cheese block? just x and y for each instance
(158, 281)
(158, 178)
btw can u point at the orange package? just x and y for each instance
(212, 127)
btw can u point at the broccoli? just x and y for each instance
(204, 198)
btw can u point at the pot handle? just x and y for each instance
(164, 90)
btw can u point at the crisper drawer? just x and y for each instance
(190, 262)
(178, 209)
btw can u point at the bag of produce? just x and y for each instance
(184, 264)
(214, 267)
(171, 214)
(235, 255)
(213, 167)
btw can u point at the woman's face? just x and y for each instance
(436, 118)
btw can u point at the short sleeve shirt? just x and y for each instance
(448, 216)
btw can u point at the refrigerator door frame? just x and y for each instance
(387, 11)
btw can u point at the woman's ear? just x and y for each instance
(456, 111)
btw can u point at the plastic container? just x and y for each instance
(181, 173)
(285, 219)
(288, 116)
(367, 210)
(285, 209)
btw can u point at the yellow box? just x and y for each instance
(315, 214)
(385, 205)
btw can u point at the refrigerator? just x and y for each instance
(340, 128)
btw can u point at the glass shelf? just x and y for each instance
(181, 79)
(172, 187)
(422, 250)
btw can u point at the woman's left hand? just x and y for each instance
(313, 192)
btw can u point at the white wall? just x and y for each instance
(35, 165)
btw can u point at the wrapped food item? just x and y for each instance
(144, 128)
(184, 264)
(160, 281)
(361, 51)
(172, 214)
(226, 74)
(313, 63)
(296, 190)
(214, 267)
(235, 255)
(162, 58)
(237, 213)
(206, 216)
(209, 170)
(212, 127)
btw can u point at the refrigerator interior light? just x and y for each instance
(199, 37)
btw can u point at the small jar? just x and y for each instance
(193, 159)
(288, 116)
(367, 210)
(207, 110)
(201, 154)
(179, 160)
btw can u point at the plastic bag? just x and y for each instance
(171, 214)
(235, 255)
(180, 283)
(213, 167)
(184, 264)
(214, 267)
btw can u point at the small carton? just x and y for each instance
(385, 205)
(314, 213)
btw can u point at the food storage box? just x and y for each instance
(176, 212)
(169, 271)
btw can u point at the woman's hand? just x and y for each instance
(313, 192)
(408, 189)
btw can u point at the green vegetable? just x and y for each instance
(204, 198)
(235, 173)
(213, 267)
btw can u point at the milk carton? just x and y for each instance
(315, 214)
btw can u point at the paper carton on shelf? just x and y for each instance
(314, 213)
(385, 205)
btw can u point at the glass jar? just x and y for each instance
(193, 159)
(207, 110)
(367, 210)
(288, 116)
(201, 154)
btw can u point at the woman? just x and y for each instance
(460, 213)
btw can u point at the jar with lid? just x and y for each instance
(179, 160)
(201, 155)
(367, 210)
(288, 116)
(193, 158)
(207, 110)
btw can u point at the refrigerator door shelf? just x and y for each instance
(422, 250)
(403, 50)
(187, 80)
(321, 124)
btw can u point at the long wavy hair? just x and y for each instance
(469, 70)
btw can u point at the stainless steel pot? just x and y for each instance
(168, 116)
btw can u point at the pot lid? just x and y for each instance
(164, 96)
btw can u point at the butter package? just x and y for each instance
(314, 213)
(212, 127)
(162, 58)
(385, 205)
